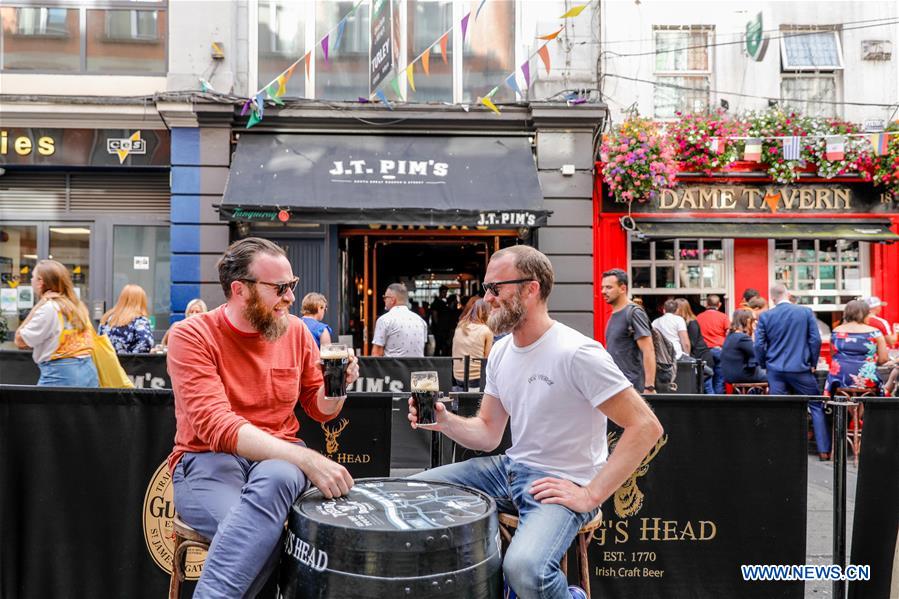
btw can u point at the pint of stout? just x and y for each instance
(425, 394)
(334, 360)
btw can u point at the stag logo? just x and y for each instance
(629, 497)
(331, 435)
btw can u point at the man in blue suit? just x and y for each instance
(787, 344)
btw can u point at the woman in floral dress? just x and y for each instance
(857, 350)
(127, 325)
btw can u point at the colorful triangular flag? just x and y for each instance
(544, 56)
(512, 83)
(486, 101)
(246, 107)
(752, 152)
(282, 85)
(325, 47)
(272, 93)
(426, 61)
(339, 35)
(879, 143)
(254, 119)
(792, 147)
(836, 145)
(715, 146)
(308, 59)
(526, 71)
(465, 25)
(410, 75)
(550, 36)
(443, 41)
(573, 12)
(383, 98)
(260, 105)
(395, 84)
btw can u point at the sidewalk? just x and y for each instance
(819, 536)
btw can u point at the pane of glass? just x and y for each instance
(428, 20)
(18, 255)
(345, 75)
(783, 250)
(827, 284)
(664, 250)
(41, 39)
(712, 249)
(688, 249)
(282, 40)
(805, 285)
(827, 250)
(805, 299)
(808, 49)
(70, 245)
(784, 274)
(851, 277)
(130, 242)
(713, 276)
(690, 275)
(849, 250)
(641, 276)
(805, 250)
(640, 250)
(827, 299)
(489, 53)
(665, 277)
(827, 272)
(131, 41)
(682, 50)
(805, 272)
(680, 94)
(813, 95)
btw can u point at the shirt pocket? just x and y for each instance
(285, 386)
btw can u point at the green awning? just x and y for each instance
(849, 230)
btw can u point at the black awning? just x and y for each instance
(396, 180)
(877, 231)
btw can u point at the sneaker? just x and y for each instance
(577, 592)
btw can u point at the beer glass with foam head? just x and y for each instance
(334, 361)
(425, 395)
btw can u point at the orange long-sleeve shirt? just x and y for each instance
(223, 378)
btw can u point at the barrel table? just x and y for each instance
(392, 537)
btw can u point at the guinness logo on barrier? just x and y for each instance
(331, 435)
(158, 512)
(629, 497)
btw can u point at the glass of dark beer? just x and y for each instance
(425, 395)
(334, 360)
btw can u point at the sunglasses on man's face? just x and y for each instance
(280, 288)
(494, 287)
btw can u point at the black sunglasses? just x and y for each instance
(494, 287)
(280, 288)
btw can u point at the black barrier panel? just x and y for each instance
(359, 438)
(725, 486)
(876, 524)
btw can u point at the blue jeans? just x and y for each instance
(718, 377)
(68, 372)
(803, 383)
(531, 564)
(240, 505)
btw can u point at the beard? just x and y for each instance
(507, 316)
(263, 319)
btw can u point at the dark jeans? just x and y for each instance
(718, 377)
(803, 383)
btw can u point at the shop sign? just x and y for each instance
(85, 147)
(825, 198)
(381, 50)
(756, 42)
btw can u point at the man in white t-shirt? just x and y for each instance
(673, 328)
(401, 333)
(558, 387)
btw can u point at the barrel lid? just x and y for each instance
(391, 504)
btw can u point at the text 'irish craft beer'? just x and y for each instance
(392, 538)
(334, 360)
(425, 395)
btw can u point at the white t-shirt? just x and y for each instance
(668, 325)
(551, 389)
(402, 333)
(42, 332)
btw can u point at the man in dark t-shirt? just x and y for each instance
(628, 333)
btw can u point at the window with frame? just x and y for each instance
(811, 61)
(686, 265)
(822, 273)
(97, 37)
(281, 31)
(683, 69)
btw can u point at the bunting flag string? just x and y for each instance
(551, 36)
(410, 75)
(443, 40)
(325, 48)
(577, 10)
(478, 11)
(526, 71)
(752, 151)
(543, 51)
(792, 148)
(426, 61)
(835, 147)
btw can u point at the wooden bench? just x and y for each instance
(185, 538)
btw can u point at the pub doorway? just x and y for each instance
(431, 263)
